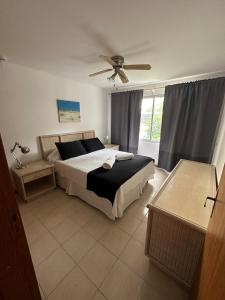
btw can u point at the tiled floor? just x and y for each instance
(78, 253)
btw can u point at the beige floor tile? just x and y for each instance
(23, 206)
(63, 231)
(133, 255)
(79, 244)
(147, 292)
(42, 294)
(62, 201)
(140, 233)
(173, 292)
(83, 214)
(53, 269)
(129, 223)
(69, 208)
(137, 210)
(99, 296)
(59, 198)
(133, 276)
(98, 225)
(97, 263)
(159, 283)
(37, 201)
(42, 209)
(145, 220)
(121, 283)
(27, 218)
(34, 231)
(74, 286)
(165, 285)
(115, 240)
(55, 217)
(42, 248)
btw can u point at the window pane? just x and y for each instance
(146, 118)
(157, 119)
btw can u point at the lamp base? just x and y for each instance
(21, 167)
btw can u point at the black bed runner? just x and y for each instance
(105, 183)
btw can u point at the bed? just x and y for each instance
(72, 174)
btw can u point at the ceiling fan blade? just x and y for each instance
(100, 72)
(137, 67)
(123, 76)
(108, 59)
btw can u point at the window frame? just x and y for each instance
(153, 109)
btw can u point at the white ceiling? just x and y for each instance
(178, 37)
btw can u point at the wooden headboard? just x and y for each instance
(48, 141)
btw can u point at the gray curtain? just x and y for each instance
(125, 119)
(191, 115)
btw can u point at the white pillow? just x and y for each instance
(53, 156)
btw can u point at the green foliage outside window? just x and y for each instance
(151, 118)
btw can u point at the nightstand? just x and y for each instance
(35, 179)
(112, 146)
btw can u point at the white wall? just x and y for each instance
(219, 153)
(28, 107)
(221, 158)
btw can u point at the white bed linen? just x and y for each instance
(72, 176)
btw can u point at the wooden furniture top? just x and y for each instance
(48, 141)
(33, 167)
(184, 193)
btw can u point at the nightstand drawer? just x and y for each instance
(36, 175)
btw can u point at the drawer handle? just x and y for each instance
(214, 200)
(210, 198)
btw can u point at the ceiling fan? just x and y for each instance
(117, 62)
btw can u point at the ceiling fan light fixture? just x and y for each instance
(117, 63)
(112, 78)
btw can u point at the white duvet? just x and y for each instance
(75, 170)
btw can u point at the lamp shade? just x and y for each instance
(25, 150)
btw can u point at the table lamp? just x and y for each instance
(23, 149)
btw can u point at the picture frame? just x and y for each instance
(68, 111)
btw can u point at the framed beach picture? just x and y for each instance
(68, 111)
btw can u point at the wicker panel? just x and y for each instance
(175, 245)
(48, 144)
(71, 137)
(88, 135)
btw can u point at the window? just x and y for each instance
(151, 118)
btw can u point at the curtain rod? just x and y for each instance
(204, 76)
(134, 89)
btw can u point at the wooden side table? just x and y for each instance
(35, 179)
(112, 146)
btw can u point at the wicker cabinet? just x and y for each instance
(178, 220)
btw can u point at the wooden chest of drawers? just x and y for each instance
(178, 220)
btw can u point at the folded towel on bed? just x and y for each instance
(124, 156)
(108, 164)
